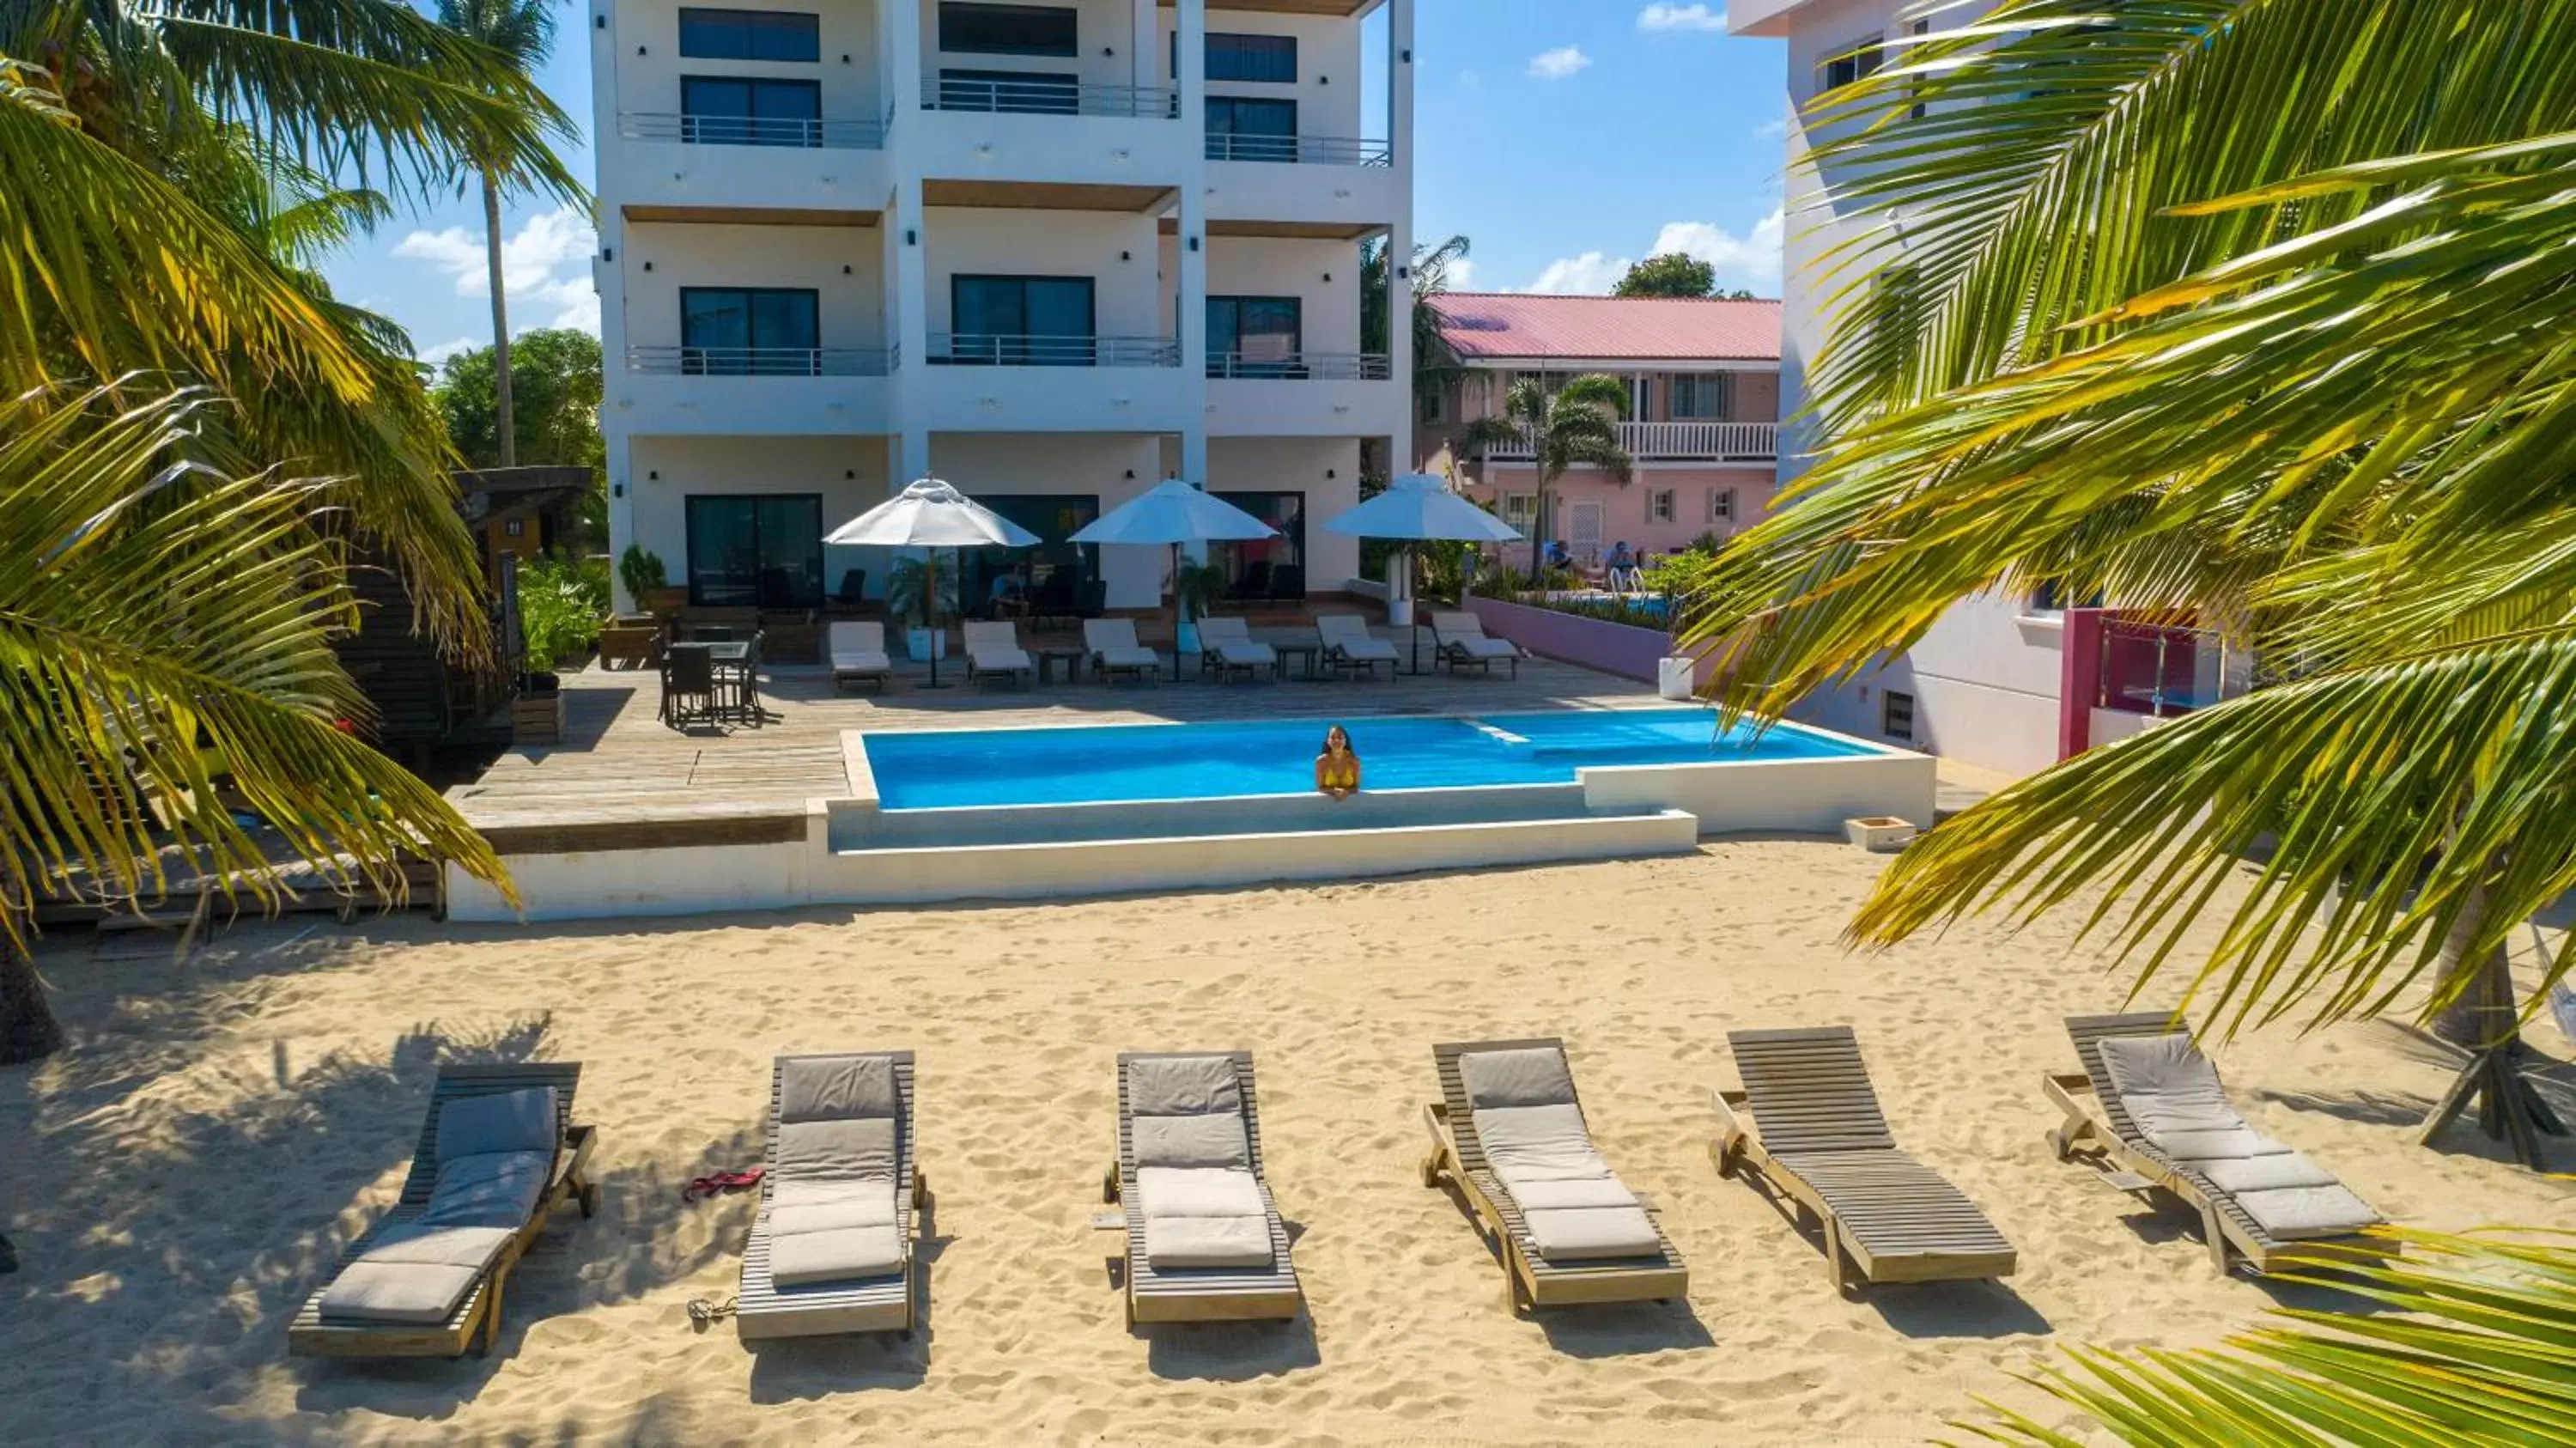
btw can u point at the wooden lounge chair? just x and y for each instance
(2272, 1207)
(858, 652)
(832, 1249)
(1460, 641)
(1808, 1127)
(1115, 652)
(1227, 647)
(1348, 647)
(1509, 1132)
(1205, 1242)
(993, 651)
(427, 1278)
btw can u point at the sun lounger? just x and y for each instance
(858, 652)
(2148, 1107)
(1205, 1242)
(832, 1249)
(1509, 1132)
(1114, 650)
(496, 1157)
(1348, 647)
(1459, 640)
(1226, 645)
(1808, 1127)
(994, 649)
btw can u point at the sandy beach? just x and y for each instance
(179, 1179)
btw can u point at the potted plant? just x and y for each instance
(647, 581)
(918, 593)
(1197, 588)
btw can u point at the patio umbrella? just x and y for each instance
(1174, 512)
(929, 513)
(1419, 507)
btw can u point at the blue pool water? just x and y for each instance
(1214, 761)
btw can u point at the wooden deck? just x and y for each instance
(621, 772)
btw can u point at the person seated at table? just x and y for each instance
(1010, 594)
(1557, 557)
(1337, 769)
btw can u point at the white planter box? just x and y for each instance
(1673, 678)
(1879, 834)
(924, 643)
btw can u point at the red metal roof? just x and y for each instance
(1517, 326)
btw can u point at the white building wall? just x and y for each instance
(1325, 469)
(1116, 251)
(1105, 49)
(1330, 100)
(843, 265)
(850, 474)
(649, 66)
(1113, 467)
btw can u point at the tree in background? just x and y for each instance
(522, 33)
(1576, 426)
(556, 423)
(1435, 362)
(1674, 274)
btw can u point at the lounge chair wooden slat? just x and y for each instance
(763, 1309)
(1819, 1138)
(1214, 1294)
(308, 1335)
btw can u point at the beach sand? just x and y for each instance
(179, 1179)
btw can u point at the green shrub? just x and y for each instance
(641, 572)
(560, 604)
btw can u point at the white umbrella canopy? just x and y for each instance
(1420, 506)
(929, 513)
(1172, 511)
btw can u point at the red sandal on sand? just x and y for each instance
(717, 1184)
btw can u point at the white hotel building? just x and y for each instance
(1049, 252)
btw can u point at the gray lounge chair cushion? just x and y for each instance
(495, 1189)
(1538, 1143)
(2296, 1212)
(1584, 1234)
(1179, 1243)
(413, 1273)
(1124, 657)
(1183, 1085)
(1557, 1194)
(1163, 1191)
(1210, 1139)
(2167, 1085)
(798, 1259)
(839, 1206)
(1528, 1076)
(2171, 1092)
(837, 1088)
(1244, 653)
(1478, 646)
(837, 1150)
(861, 661)
(522, 1120)
(1356, 647)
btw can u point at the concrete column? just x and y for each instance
(1399, 241)
(1190, 21)
(902, 41)
(908, 306)
(1144, 52)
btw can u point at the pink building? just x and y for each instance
(1703, 382)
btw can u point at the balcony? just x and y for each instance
(1041, 96)
(1299, 150)
(1302, 394)
(1658, 442)
(750, 131)
(756, 391)
(994, 349)
(1301, 366)
(675, 166)
(760, 361)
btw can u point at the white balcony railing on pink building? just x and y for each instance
(1723, 442)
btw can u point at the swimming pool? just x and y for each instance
(954, 769)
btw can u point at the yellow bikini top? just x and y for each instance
(1342, 772)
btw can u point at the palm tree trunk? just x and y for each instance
(509, 439)
(28, 1031)
(2483, 1016)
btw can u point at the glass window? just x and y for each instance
(1266, 58)
(1518, 508)
(1016, 92)
(1009, 29)
(750, 35)
(1435, 405)
(1255, 336)
(1266, 568)
(1721, 505)
(1896, 715)
(739, 330)
(1659, 506)
(1021, 321)
(1861, 60)
(750, 111)
(1700, 395)
(756, 551)
(1240, 128)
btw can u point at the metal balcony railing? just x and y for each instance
(749, 131)
(1677, 442)
(761, 361)
(1039, 96)
(1301, 366)
(995, 349)
(1306, 150)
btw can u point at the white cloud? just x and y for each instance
(437, 356)
(1559, 63)
(531, 265)
(1679, 17)
(1772, 130)
(1750, 261)
(1462, 274)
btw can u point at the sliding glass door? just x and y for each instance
(763, 550)
(1255, 336)
(736, 331)
(1021, 321)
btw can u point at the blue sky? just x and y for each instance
(1562, 140)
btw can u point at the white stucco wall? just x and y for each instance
(1330, 100)
(649, 65)
(721, 465)
(1116, 250)
(849, 305)
(1105, 48)
(1086, 463)
(1298, 465)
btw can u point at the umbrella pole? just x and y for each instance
(1176, 613)
(931, 610)
(1413, 602)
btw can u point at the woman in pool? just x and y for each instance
(1337, 769)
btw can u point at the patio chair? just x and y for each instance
(852, 597)
(1226, 645)
(2148, 1109)
(1807, 1127)
(497, 1157)
(1509, 1134)
(688, 685)
(993, 651)
(1205, 1242)
(832, 1249)
(1348, 647)
(1115, 652)
(1460, 641)
(858, 651)
(738, 682)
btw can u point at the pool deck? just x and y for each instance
(623, 779)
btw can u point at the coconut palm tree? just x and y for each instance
(522, 32)
(1435, 362)
(1575, 426)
